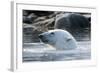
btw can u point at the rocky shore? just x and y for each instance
(36, 22)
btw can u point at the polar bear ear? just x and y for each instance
(68, 39)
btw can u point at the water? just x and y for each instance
(41, 52)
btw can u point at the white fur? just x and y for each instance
(60, 39)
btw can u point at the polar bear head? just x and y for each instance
(58, 38)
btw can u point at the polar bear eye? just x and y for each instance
(52, 33)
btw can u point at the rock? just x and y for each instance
(71, 22)
(29, 18)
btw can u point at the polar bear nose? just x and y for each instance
(40, 36)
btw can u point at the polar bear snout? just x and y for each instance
(40, 36)
(43, 38)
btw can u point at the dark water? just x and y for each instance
(42, 52)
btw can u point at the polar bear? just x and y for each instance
(59, 39)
